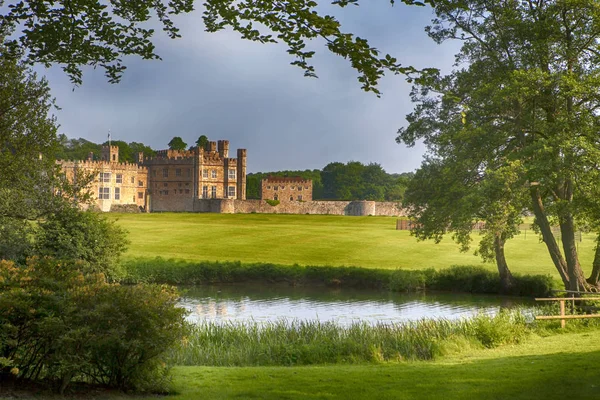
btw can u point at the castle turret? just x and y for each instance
(110, 154)
(241, 174)
(212, 147)
(141, 157)
(223, 146)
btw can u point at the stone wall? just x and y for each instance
(357, 208)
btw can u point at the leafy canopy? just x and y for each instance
(98, 33)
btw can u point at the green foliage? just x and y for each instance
(61, 325)
(80, 149)
(177, 143)
(466, 279)
(86, 236)
(272, 203)
(306, 342)
(202, 141)
(515, 125)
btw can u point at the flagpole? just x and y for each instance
(109, 137)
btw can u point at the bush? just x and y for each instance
(59, 324)
(272, 202)
(72, 234)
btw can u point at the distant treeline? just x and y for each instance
(79, 149)
(337, 181)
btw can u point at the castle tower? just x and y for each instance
(241, 174)
(223, 146)
(141, 157)
(110, 154)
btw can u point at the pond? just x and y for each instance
(266, 303)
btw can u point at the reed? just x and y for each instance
(296, 342)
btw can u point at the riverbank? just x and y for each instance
(556, 365)
(465, 279)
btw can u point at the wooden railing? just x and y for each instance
(563, 316)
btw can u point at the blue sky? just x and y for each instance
(227, 88)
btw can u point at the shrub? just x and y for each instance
(83, 235)
(272, 203)
(60, 325)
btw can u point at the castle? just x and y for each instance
(170, 181)
(202, 179)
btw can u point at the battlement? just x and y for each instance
(173, 154)
(101, 165)
(287, 179)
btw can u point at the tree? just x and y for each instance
(177, 143)
(202, 141)
(526, 103)
(99, 34)
(27, 142)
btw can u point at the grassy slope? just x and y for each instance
(315, 240)
(555, 367)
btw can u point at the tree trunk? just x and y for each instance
(595, 275)
(506, 278)
(548, 237)
(577, 280)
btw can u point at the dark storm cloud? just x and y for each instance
(226, 88)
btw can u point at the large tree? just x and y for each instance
(100, 33)
(523, 99)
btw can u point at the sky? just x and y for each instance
(224, 87)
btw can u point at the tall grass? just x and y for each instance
(293, 342)
(467, 279)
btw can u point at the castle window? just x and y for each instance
(213, 173)
(275, 187)
(306, 187)
(187, 184)
(104, 177)
(187, 191)
(231, 192)
(153, 173)
(165, 172)
(275, 197)
(189, 172)
(119, 178)
(293, 187)
(283, 187)
(232, 174)
(178, 172)
(104, 193)
(132, 180)
(133, 199)
(291, 198)
(140, 195)
(268, 187)
(213, 192)
(165, 184)
(299, 197)
(205, 192)
(205, 173)
(117, 193)
(299, 188)
(179, 184)
(140, 183)
(114, 157)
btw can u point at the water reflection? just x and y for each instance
(260, 303)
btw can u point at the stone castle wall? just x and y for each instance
(231, 206)
(286, 189)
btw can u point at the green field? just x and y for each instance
(371, 242)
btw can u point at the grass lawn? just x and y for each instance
(371, 242)
(562, 366)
